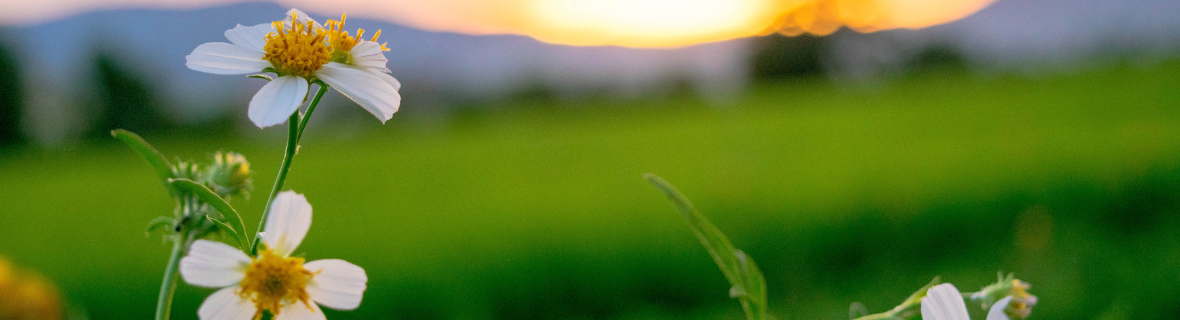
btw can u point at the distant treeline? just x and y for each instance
(780, 57)
(11, 99)
(114, 94)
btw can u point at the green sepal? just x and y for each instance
(260, 76)
(748, 283)
(908, 308)
(154, 157)
(221, 225)
(236, 228)
(160, 222)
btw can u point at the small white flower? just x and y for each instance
(944, 302)
(272, 281)
(299, 50)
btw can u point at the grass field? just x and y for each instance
(537, 210)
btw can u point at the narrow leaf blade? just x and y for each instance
(237, 227)
(748, 283)
(714, 241)
(160, 164)
(754, 282)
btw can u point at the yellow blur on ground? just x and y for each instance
(25, 295)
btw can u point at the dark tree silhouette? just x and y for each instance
(124, 99)
(11, 98)
(781, 57)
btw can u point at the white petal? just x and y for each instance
(225, 304)
(372, 93)
(213, 264)
(253, 38)
(997, 310)
(300, 311)
(225, 58)
(287, 224)
(337, 284)
(277, 100)
(944, 302)
(368, 55)
(301, 18)
(387, 78)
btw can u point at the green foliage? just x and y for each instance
(748, 284)
(196, 188)
(236, 228)
(1071, 181)
(228, 174)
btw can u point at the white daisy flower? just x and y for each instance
(944, 302)
(299, 50)
(273, 281)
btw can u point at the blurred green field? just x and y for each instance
(537, 210)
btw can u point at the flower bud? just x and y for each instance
(186, 170)
(1021, 304)
(238, 167)
(229, 175)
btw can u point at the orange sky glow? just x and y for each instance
(632, 23)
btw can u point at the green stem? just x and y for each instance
(749, 311)
(295, 130)
(168, 286)
(311, 108)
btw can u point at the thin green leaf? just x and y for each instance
(755, 283)
(237, 226)
(714, 241)
(223, 226)
(917, 296)
(748, 284)
(907, 308)
(155, 158)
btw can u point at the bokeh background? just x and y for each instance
(1040, 137)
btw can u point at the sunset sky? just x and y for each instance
(633, 23)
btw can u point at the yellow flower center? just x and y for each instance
(1021, 304)
(340, 42)
(298, 50)
(242, 173)
(272, 281)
